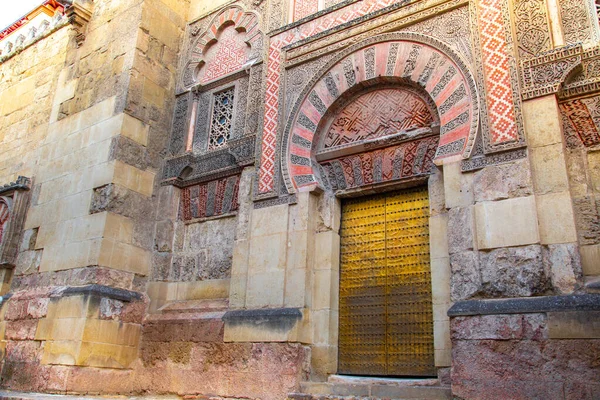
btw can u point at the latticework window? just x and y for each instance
(221, 121)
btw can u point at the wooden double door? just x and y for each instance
(386, 318)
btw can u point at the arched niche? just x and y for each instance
(232, 40)
(404, 60)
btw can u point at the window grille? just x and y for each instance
(221, 121)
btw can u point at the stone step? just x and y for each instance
(10, 395)
(343, 387)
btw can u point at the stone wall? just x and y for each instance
(549, 355)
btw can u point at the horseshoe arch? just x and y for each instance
(417, 59)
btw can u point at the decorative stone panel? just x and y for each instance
(210, 199)
(582, 116)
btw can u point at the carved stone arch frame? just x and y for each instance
(377, 74)
(242, 20)
(14, 196)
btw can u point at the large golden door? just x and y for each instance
(386, 319)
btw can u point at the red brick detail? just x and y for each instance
(495, 57)
(210, 198)
(227, 55)
(578, 116)
(395, 162)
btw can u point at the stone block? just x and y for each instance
(324, 361)
(105, 355)
(133, 178)
(21, 329)
(437, 198)
(590, 259)
(298, 249)
(322, 285)
(295, 287)
(574, 325)
(556, 219)
(209, 289)
(504, 223)
(549, 169)
(514, 272)
(593, 163)
(62, 352)
(265, 289)
(440, 280)
(466, 278)
(438, 233)
(458, 186)
(564, 263)
(267, 253)
(441, 335)
(111, 332)
(269, 220)
(461, 233)
(135, 129)
(442, 357)
(327, 245)
(542, 121)
(68, 307)
(504, 181)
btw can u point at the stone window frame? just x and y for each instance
(204, 98)
(211, 117)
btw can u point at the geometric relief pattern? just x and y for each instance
(533, 32)
(227, 55)
(376, 114)
(210, 198)
(583, 116)
(495, 58)
(222, 115)
(304, 8)
(273, 82)
(406, 160)
(451, 91)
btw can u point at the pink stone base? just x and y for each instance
(510, 357)
(267, 371)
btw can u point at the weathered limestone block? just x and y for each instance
(514, 272)
(498, 182)
(590, 259)
(466, 278)
(521, 369)
(500, 327)
(510, 222)
(564, 264)
(587, 220)
(556, 210)
(549, 169)
(460, 229)
(458, 186)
